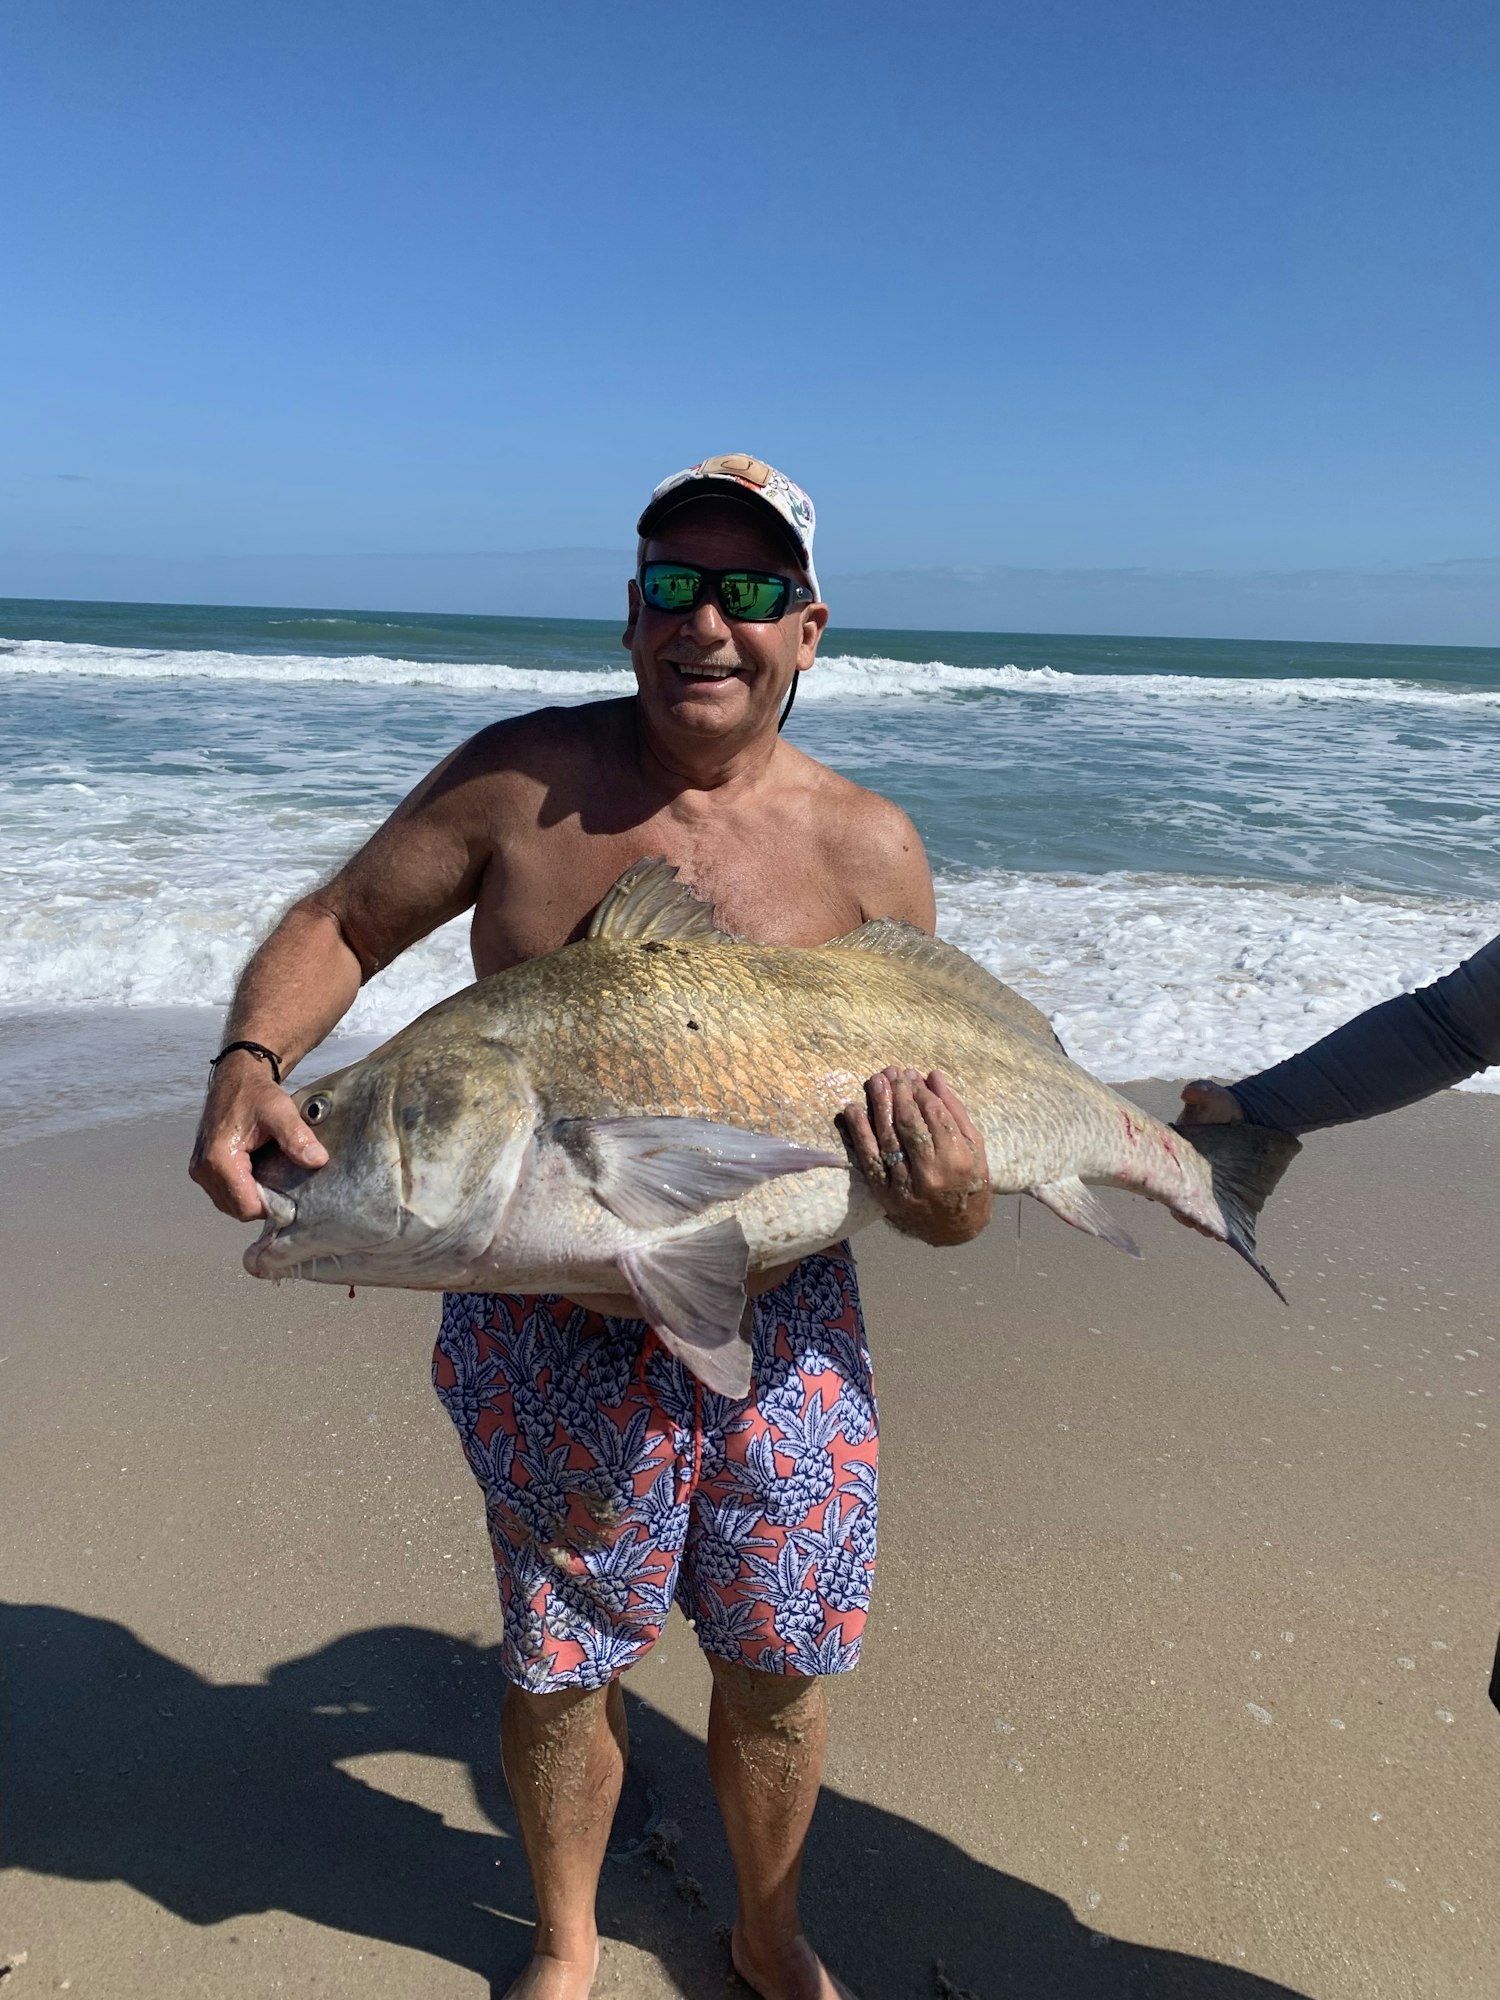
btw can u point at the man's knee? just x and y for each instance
(562, 1718)
(554, 1704)
(564, 1752)
(784, 1703)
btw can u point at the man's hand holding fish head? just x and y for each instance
(245, 1112)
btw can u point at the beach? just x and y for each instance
(1175, 1682)
(1176, 1679)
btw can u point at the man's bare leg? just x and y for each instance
(564, 1762)
(767, 1736)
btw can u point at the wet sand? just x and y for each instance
(1175, 1686)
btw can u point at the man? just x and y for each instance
(611, 1479)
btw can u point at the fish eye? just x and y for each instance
(317, 1108)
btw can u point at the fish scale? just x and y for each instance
(784, 1040)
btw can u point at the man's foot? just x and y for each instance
(549, 1978)
(791, 1971)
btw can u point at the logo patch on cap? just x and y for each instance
(754, 471)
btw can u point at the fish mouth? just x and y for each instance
(281, 1212)
(316, 1252)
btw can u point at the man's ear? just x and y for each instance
(632, 615)
(814, 620)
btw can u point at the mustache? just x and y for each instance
(682, 656)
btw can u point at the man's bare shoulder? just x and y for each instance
(870, 841)
(523, 756)
(544, 741)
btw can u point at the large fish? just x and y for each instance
(649, 1115)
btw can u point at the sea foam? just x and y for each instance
(1149, 856)
(837, 677)
(1141, 975)
(1160, 976)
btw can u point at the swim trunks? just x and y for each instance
(614, 1480)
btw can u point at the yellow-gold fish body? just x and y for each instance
(649, 1115)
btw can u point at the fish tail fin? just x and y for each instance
(1246, 1162)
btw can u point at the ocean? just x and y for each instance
(1196, 855)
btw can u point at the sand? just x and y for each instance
(1175, 1685)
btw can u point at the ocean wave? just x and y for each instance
(1170, 976)
(838, 677)
(1143, 975)
(36, 657)
(848, 677)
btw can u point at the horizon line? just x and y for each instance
(955, 631)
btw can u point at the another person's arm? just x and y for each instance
(420, 868)
(1392, 1054)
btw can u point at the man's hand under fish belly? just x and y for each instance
(921, 1156)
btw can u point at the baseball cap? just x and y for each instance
(741, 477)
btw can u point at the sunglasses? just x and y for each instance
(751, 596)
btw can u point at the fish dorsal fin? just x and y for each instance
(889, 937)
(649, 902)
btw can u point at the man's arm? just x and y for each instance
(423, 866)
(921, 1155)
(893, 877)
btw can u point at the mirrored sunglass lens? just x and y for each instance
(669, 589)
(745, 595)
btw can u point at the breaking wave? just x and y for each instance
(836, 678)
(1143, 975)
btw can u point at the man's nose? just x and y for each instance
(706, 624)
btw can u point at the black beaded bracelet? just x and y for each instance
(251, 1049)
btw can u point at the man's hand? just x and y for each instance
(1208, 1103)
(920, 1155)
(245, 1110)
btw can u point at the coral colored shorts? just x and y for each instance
(614, 1481)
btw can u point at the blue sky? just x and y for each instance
(1089, 317)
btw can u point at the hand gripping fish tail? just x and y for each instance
(1246, 1162)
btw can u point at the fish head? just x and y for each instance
(426, 1141)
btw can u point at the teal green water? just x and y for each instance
(1195, 853)
(589, 642)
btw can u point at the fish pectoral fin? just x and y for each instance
(1071, 1200)
(648, 901)
(691, 1290)
(654, 1171)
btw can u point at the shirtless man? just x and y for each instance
(583, 1432)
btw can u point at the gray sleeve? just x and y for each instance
(1393, 1054)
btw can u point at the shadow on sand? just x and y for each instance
(220, 1801)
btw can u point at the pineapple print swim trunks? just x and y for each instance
(614, 1480)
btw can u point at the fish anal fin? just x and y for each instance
(648, 902)
(1246, 1162)
(691, 1291)
(889, 937)
(1076, 1205)
(652, 1172)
